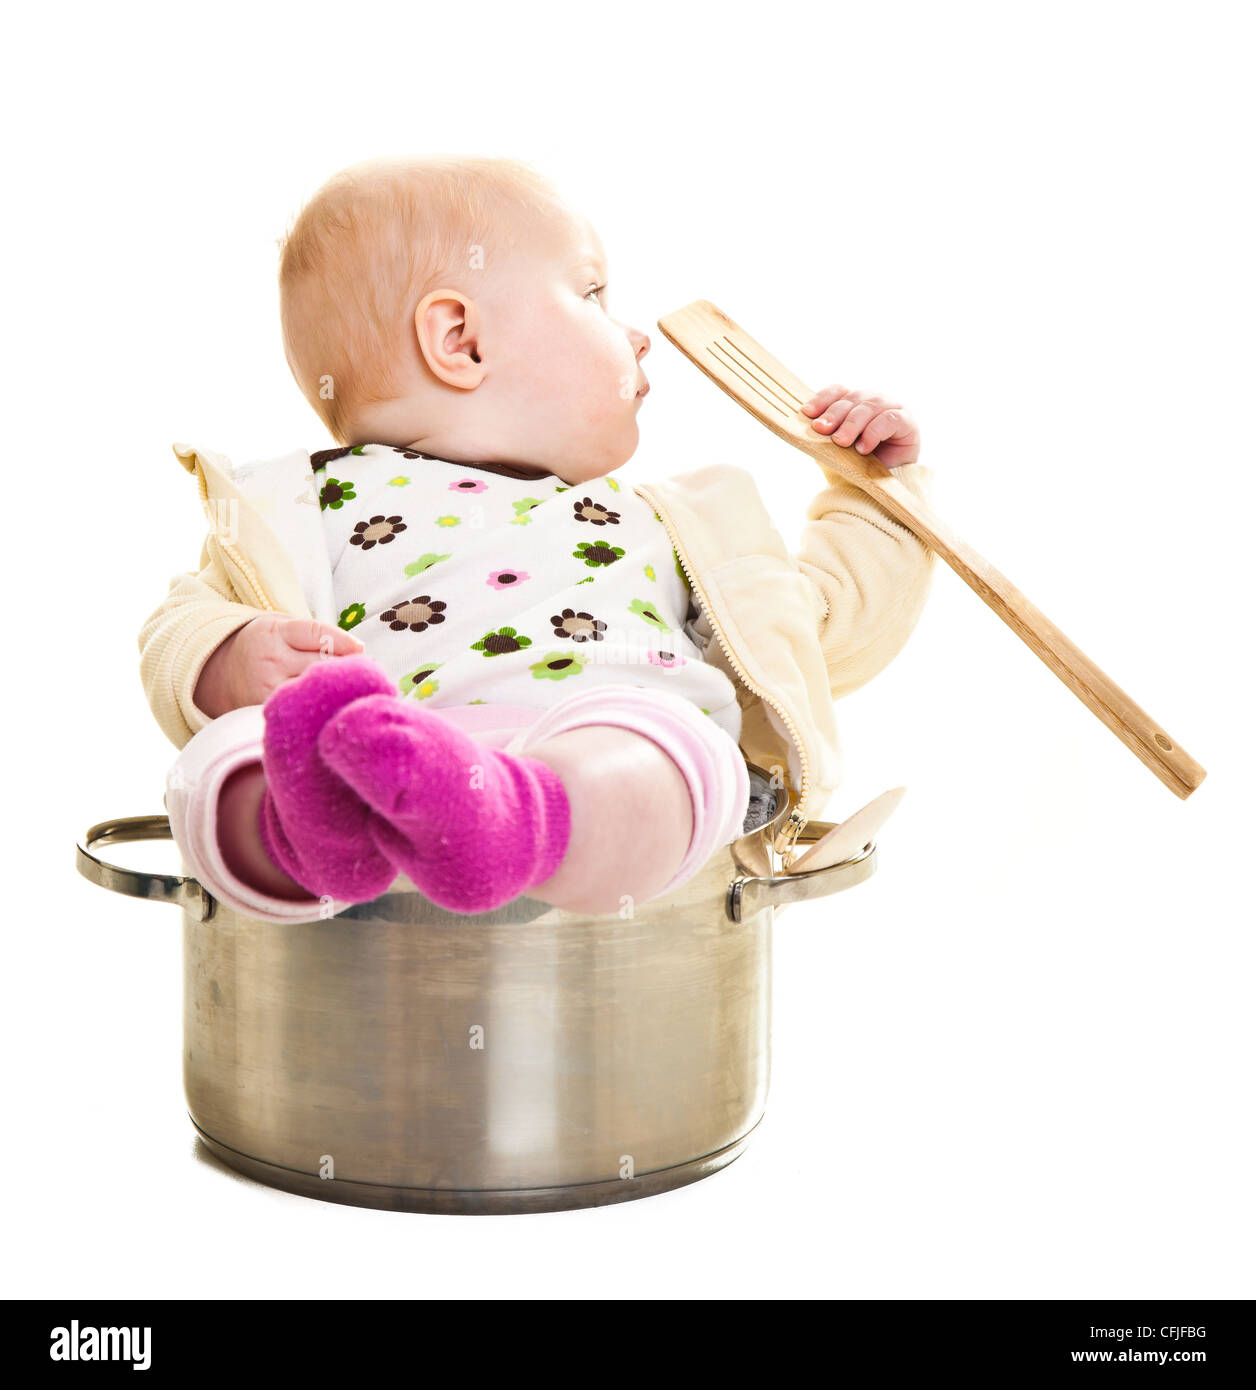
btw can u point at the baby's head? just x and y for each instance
(458, 305)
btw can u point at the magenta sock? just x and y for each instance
(472, 826)
(313, 826)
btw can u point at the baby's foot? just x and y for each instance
(313, 826)
(472, 826)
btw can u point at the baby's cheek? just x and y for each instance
(579, 387)
(617, 382)
(586, 389)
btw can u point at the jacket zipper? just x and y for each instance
(230, 551)
(786, 840)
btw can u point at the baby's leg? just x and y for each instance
(232, 788)
(612, 797)
(631, 819)
(655, 788)
(213, 794)
(239, 840)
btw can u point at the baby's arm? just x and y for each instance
(257, 658)
(203, 652)
(872, 572)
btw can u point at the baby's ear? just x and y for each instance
(447, 329)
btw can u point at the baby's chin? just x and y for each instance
(595, 454)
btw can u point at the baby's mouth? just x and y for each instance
(645, 390)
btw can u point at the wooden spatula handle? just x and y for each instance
(1122, 714)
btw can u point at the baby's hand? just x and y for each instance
(871, 423)
(258, 657)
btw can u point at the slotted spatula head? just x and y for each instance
(747, 371)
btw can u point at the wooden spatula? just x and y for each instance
(774, 396)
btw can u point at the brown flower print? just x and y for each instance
(416, 614)
(580, 627)
(378, 531)
(322, 457)
(594, 513)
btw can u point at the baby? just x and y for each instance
(458, 648)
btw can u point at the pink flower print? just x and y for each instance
(467, 485)
(669, 661)
(507, 579)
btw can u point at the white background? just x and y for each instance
(1016, 1063)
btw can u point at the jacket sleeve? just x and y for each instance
(871, 574)
(198, 614)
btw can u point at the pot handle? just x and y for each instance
(749, 896)
(184, 892)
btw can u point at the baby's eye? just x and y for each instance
(595, 290)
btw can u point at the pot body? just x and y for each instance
(401, 1056)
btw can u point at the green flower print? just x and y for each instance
(352, 616)
(649, 573)
(335, 494)
(399, 481)
(420, 683)
(595, 553)
(557, 666)
(611, 483)
(504, 640)
(522, 507)
(557, 490)
(424, 562)
(448, 521)
(643, 610)
(588, 579)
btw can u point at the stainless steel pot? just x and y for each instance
(529, 1059)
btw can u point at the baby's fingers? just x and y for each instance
(309, 635)
(833, 411)
(855, 421)
(823, 399)
(886, 424)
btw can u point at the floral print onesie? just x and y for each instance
(470, 586)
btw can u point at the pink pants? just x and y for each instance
(708, 758)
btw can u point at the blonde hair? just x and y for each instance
(364, 250)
